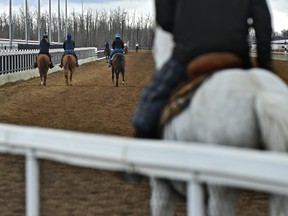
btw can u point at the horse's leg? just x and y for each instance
(41, 79)
(117, 76)
(112, 74)
(278, 205)
(66, 78)
(123, 73)
(163, 200)
(45, 78)
(71, 73)
(222, 200)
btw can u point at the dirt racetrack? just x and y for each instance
(91, 105)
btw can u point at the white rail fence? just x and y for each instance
(12, 61)
(194, 163)
(18, 65)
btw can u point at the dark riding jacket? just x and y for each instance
(69, 46)
(118, 44)
(106, 45)
(44, 46)
(204, 26)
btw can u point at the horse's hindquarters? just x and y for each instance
(43, 67)
(238, 108)
(69, 64)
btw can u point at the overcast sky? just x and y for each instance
(278, 8)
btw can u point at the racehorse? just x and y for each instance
(126, 50)
(107, 52)
(118, 66)
(43, 67)
(69, 65)
(233, 107)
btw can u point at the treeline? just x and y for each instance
(275, 35)
(88, 28)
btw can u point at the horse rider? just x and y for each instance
(137, 46)
(214, 26)
(117, 47)
(69, 46)
(107, 45)
(44, 49)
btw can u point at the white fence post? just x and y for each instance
(32, 184)
(195, 199)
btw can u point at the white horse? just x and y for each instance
(242, 108)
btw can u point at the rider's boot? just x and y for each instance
(51, 65)
(77, 65)
(35, 65)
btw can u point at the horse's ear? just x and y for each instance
(211, 62)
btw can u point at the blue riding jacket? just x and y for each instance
(44, 46)
(69, 46)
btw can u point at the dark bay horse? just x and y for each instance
(69, 65)
(107, 52)
(126, 50)
(118, 66)
(43, 67)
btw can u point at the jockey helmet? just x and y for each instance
(117, 35)
(69, 36)
(45, 35)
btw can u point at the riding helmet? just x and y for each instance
(117, 35)
(45, 35)
(69, 36)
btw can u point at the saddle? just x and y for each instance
(198, 70)
(116, 54)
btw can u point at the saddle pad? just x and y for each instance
(180, 99)
(116, 54)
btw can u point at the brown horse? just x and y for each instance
(107, 54)
(118, 66)
(69, 65)
(126, 50)
(43, 67)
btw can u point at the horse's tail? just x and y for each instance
(272, 113)
(271, 109)
(43, 67)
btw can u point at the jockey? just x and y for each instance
(68, 47)
(117, 47)
(44, 49)
(225, 29)
(107, 46)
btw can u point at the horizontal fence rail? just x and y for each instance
(194, 163)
